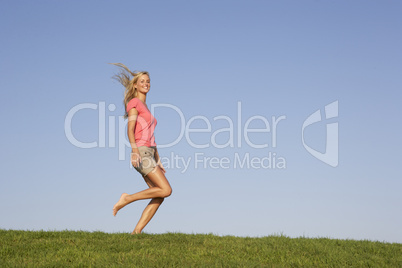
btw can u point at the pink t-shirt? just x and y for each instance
(145, 124)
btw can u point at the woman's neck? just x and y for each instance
(142, 97)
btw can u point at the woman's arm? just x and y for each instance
(135, 154)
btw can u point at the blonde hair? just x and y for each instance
(128, 79)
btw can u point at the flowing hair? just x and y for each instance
(128, 79)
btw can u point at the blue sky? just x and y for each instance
(208, 60)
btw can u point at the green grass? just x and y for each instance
(97, 249)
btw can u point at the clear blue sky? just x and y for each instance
(211, 61)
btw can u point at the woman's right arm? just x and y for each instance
(132, 119)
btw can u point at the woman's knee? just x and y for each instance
(166, 192)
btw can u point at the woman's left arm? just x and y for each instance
(158, 160)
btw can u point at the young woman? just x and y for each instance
(144, 155)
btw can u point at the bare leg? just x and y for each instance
(119, 204)
(149, 211)
(147, 215)
(160, 189)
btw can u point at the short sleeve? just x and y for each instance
(133, 103)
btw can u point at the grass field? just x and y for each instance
(97, 249)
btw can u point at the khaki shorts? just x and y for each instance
(148, 162)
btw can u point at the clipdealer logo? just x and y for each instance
(235, 128)
(330, 156)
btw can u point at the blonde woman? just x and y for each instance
(144, 154)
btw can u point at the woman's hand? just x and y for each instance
(135, 158)
(158, 161)
(161, 166)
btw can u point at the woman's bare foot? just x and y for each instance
(135, 232)
(121, 203)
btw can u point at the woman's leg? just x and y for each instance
(149, 211)
(160, 189)
(147, 215)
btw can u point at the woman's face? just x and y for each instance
(143, 84)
